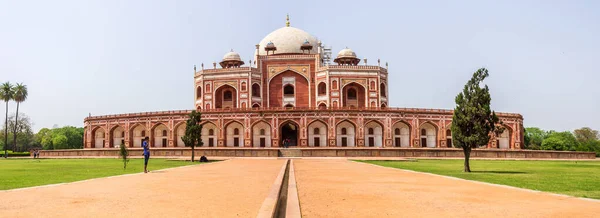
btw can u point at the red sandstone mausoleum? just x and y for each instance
(292, 91)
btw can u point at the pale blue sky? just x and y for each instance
(108, 57)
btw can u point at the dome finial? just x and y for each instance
(287, 22)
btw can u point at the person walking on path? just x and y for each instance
(146, 153)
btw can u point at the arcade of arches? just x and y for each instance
(312, 133)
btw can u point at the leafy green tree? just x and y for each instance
(534, 137)
(6, 94)
(473, 120)
(560, 141)
(124, 154)
(23, 131)
(44, 138)
(74, 135)
(586, 134)
(193, 130)
(60, 141)
(19, 95)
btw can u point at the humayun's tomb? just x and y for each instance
(292, 91)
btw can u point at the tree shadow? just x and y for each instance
(499, 172)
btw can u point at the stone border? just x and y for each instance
(269, 205)
(293, 202)
(485, 183)
(330, 152)
(115, 176)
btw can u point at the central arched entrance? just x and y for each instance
(289, 132)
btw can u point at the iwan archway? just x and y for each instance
(289, 132)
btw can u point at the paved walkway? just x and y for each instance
(326, 188)
(340, 188)
(233, 188)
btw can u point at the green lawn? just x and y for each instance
(19, 173)
(575, 178)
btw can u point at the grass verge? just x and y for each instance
(575, 178)
(20, 173)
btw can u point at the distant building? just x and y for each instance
(291, 92)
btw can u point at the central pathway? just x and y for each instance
(233, 188)
(341, 188)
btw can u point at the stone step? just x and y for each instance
(290, 152)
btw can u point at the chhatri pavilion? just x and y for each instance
(291, 91)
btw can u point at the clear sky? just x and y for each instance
(112, 56)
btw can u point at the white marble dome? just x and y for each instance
(346, 53)
(232, 56)
(288, 40)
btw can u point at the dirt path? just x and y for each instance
(233, 188)
(340, 188)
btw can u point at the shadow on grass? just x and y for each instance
(499, 172)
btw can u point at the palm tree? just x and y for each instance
(6, 94)
(19, 95)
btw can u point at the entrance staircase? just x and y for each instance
(290, 153)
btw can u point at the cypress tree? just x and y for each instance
(473, 120)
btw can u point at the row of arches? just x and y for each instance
(263, 134)
(353, 94)
(159, 136)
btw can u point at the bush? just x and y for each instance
(560, 141)
(124, 154)
(16, 154)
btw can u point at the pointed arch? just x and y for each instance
(261, 134)
(137, 132)
(289, 130)
(116, 136)
(234, 132)
(225, 96)
(354, 95)
(401, 134)
(209, 134)
(428, 132)
(98, 137)
(322, 89)
(373, 133)
(281, 85)
(317, 133)
(159, 135)
(178, 132)
(504, 139)
(256, 90)
(346, 133)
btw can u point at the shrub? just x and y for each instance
(124, 154)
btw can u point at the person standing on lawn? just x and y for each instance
(146, 153)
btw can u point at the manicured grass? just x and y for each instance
(575, 178)
(19, 173)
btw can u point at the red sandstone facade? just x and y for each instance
(291, 92)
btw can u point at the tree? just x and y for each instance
(44, 138)
(60, 141)
(534, 137)
(560, 141)
(19, 95)
(586, 134)
(124, 154)
(23, 131)
(6, 93)
(193, 131)
(473, 120)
